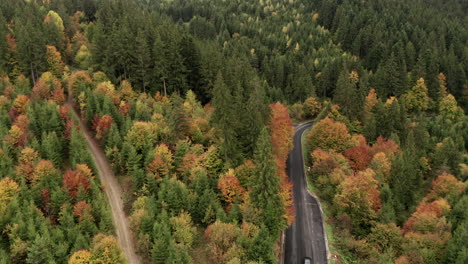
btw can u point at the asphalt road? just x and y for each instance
(305, 237)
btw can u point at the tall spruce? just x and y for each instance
(266, 186)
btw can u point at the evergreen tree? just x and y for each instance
(222, 102)
(405, 183)
(144, 60)
(266, 186)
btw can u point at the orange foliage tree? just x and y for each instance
(20, 103)
(281, 133)
(230, 187)
(311, 107)
(359, 196)
(102, 125)
(389, 147)
(162, 162)
(445, 185)
(82, 209)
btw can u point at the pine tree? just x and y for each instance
(144, 60)
(345, 94)
(3, 45)
(405, 184)
(222, 102)
(266, 186)
(52, 148)
(192, 62)
(41, 250)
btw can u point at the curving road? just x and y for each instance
(305, 238)
(114, 195)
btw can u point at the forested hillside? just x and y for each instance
(192, 102)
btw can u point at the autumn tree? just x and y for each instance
(162, 162)
(8, 189)
(105, 250)
(230, 187)
(82, 256)
(54, 61)
(311, 107)
(370, 101)
(81, 210)
(44, 169)
(20, 103)
(26, 163)
(83, 57)
(359, 156)
(222, 239)
(329, 135)
(142, 135)
(281, 131)
(449, 110)
(417, 98)
(183, 229)
(445, 186)
(79, 81)
(359, 197)
(328, 170)
(74, 180)
(102, 126)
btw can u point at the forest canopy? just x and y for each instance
(193, 103)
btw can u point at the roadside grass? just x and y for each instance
(312, 188)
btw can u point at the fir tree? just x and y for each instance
(266, 186)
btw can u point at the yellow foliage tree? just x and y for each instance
(329, 135)
(417, 98)
(8, 188)
(81, 257)
(54, 61)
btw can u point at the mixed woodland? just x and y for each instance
(193, 103)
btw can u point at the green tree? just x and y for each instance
(222, 102)
(265, 186)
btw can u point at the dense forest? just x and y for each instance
(193, 104)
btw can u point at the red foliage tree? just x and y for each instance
(73, 180)
(82, 209)
(359, 157)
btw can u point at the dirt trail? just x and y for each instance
(114, 194)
